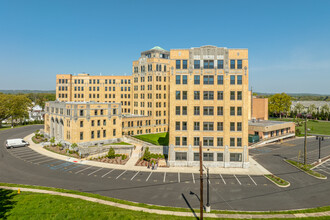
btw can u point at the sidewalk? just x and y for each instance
(254, 169)
(165, 212)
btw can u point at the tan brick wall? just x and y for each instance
(260, 108)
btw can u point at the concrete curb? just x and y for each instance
(254, 169)
(307, 172)
(165, 212)
(277, 183)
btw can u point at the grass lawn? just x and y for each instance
(30, 205)
(316, 127)
(5, 200)
(156, 139)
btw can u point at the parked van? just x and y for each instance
(11, 143)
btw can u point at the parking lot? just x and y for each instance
(145, 177)
(324, 168)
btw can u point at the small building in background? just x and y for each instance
(36, 113)
(262, 130)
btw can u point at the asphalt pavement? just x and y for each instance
(228, 192)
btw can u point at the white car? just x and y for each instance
(11, 143)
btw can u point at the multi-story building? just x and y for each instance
(209, 104)
(197, 95)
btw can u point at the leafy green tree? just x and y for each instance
(19, 107)
(4, 107)
(111, 153)
(279, 104)
(52, 141)
(312, 110)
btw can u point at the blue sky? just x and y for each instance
(288, 41)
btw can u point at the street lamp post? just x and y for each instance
(305, 145)
(208, 207)
(201, 206)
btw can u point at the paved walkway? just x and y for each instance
(165, 212)
(254, 169)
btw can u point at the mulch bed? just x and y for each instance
(37, 140)
(57, 149)
(116, 160)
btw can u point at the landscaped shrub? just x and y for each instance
(123, 157)
(111, 153)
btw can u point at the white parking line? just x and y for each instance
(30, 157)
(252, 180)
(148, 176)
(95, 171)
(237, 180)
(41, 158)
(178, 177)
(121, 174)
(164, 177)
(23, 154)
(193, 177)
(107, 173)
(223, 179)
(324, 171)
(45, 161)
(135, 175)
(83, 169)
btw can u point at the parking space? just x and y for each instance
(324, 168)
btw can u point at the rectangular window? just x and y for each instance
(220, 110)
(232, 126)
(177, 126)
(184, 79)
(239, 126)
(196, 126)
(196, 155)
(81, 113)
(196, 95)
(208, 110)
(104, 133)
(104, 122)
(196, 110)
(220, 141)
(220, 79)
(232, 80)
(232, 64)
(232, 111)
(197, 80)
(81, 135)
(181, 156)
(196, 143)
(184, 95)
(114, 132)
(239, 111)
(220, 95)
(184, 125)
(239, 64)
(92, 134)
(236, 157)
(239, 95)
(232, 95)
(232, 142)
(220, 64)
(220, 126)
(208, 64)
(208, 95)
(208, 80)
(219, 156)
(239, 142)
(208, 126)
(81, 124)
(208, 141)
(184, 110)
(184, 64)
(239, 80)
(178, 64)
(177, 79)
(98, 134)
(177, 110)
(184, 141)
(207, 156)
(197, 64)
(177, 95)
(177, 141)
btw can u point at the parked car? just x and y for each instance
(18, 142)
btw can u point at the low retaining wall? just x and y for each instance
(119, 149)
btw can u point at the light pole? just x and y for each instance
(305, 146)
(208, 207)
(201, 181)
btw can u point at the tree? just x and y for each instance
(4, 107)
(19, 107)
(279, 104)
(312, 110)
(325, 111)
(111, 153)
